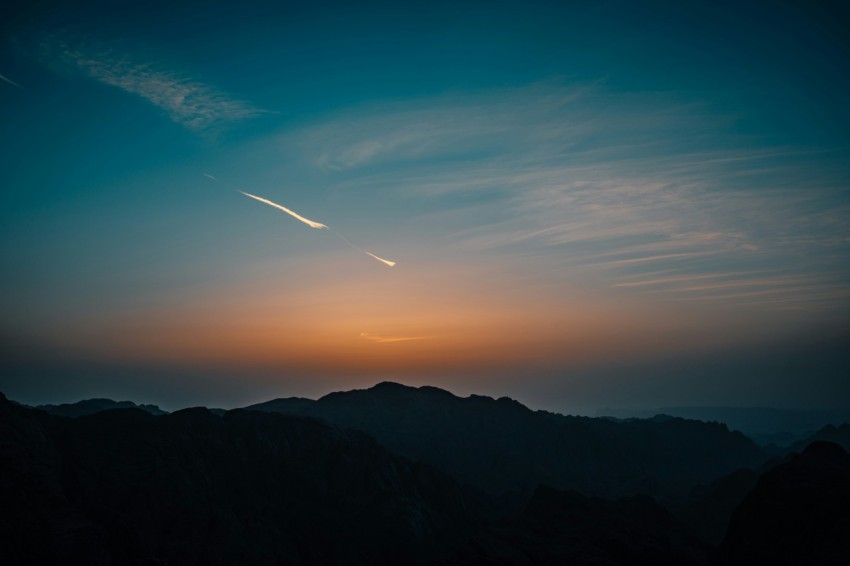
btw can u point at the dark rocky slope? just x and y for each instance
(708, 508)
(126, 487)
(798, 513)
(565, 527)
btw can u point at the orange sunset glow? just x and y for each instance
(561, 204)
(420, 320)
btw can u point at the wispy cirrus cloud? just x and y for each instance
(399, 133)
(10, 81)
(607, 188)
(187, 101)
(391, 339)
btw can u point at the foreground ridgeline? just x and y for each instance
(126, 487)
(402, 475)
(799, 513)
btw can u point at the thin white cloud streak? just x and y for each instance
(399, 133)
(382, 260)
(777, 283)
(391, 339)
(195, 105)
(673, 280)
(649, 259)
(550, 187)
(317, 225)
(817, 291)
(307, 221)
(11, 82)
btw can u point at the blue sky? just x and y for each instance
(590, 203)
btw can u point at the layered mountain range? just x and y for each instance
(502, 446)
(402, 475)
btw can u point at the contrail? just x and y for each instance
(319, 226)
(310, 223)
(382, 260)
(11, 82)
(358, 248)
(306, 221)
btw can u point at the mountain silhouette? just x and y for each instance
(502, 446)
(837, 434)
(126, 487)
(449, 480)
(765, 425)
(92, 406)
(798, 513)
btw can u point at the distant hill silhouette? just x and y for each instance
(838, 434)
(765, 425)
(798, 513)
(92, 406)
(126, 487)
(501, 446)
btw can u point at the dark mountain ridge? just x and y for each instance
(92, 406)
(126, 487)
(765, 425)
(798, 513)
(123, 486)
(502, 446)
(838, 434)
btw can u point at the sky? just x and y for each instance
(589, 204)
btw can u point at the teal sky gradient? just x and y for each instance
(646, 203)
